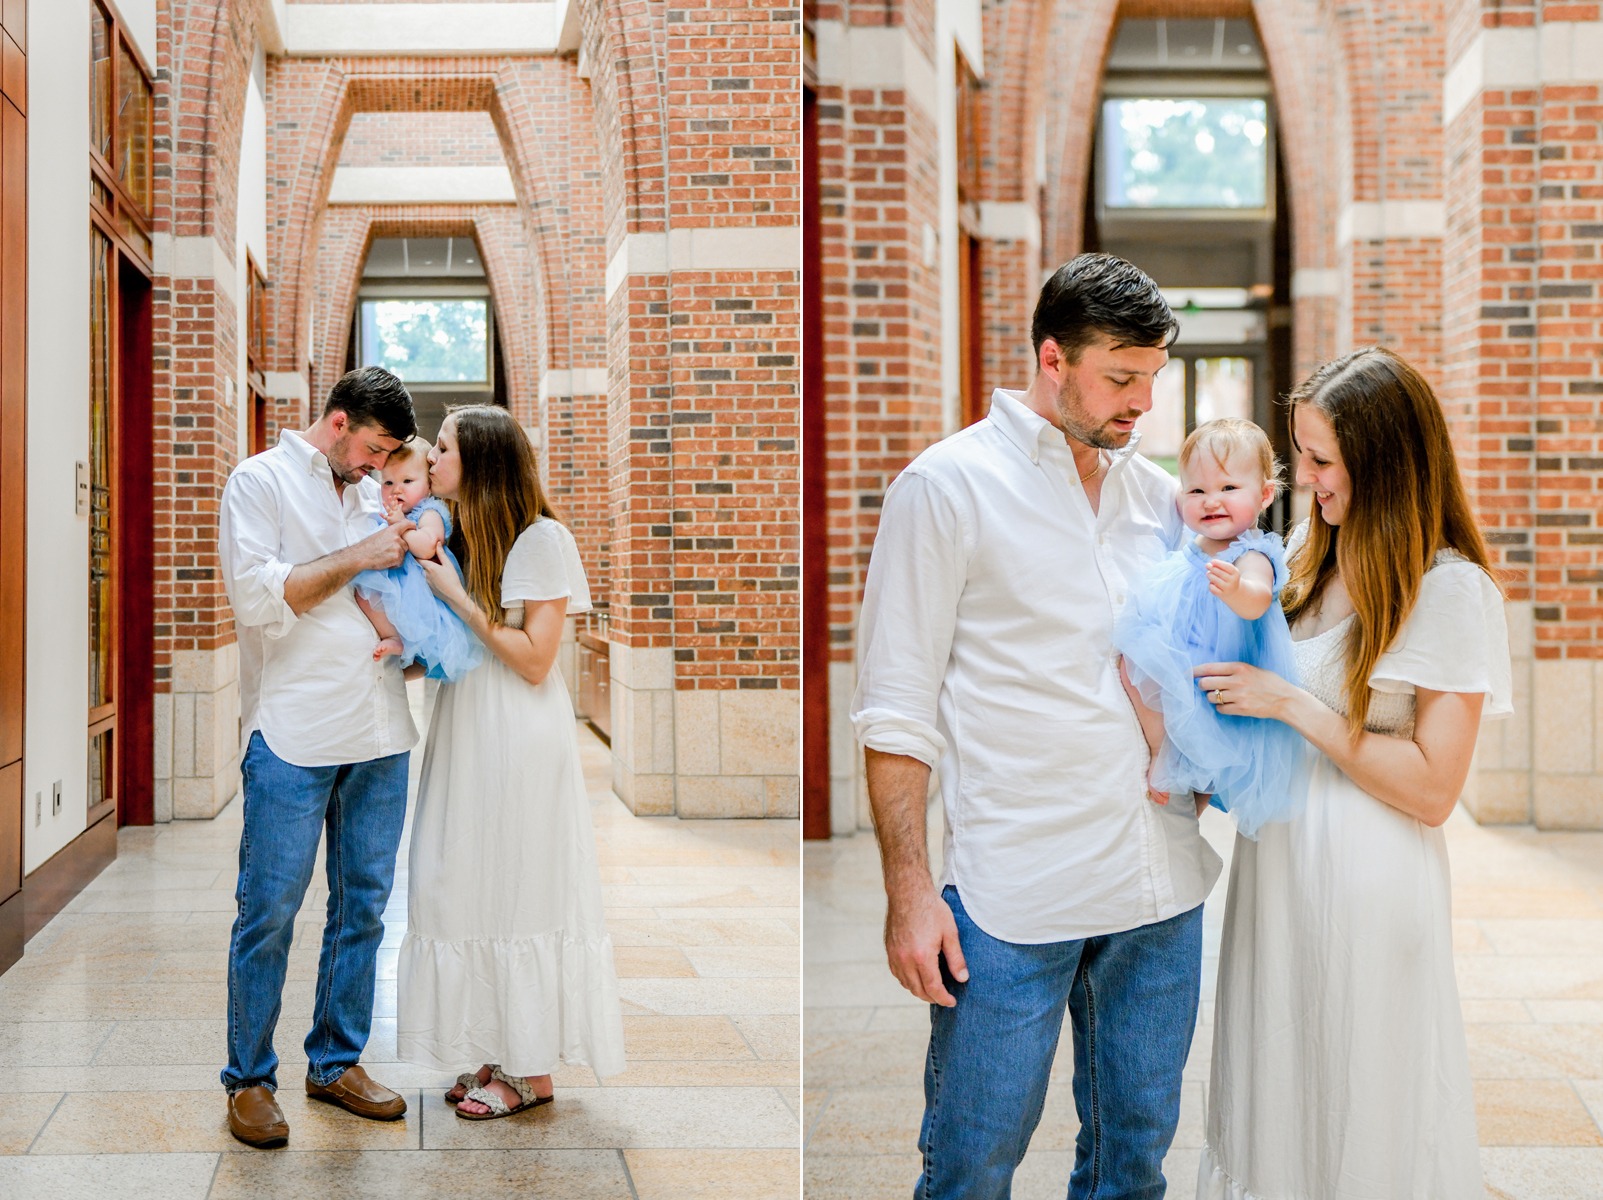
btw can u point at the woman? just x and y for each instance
(1340, 1070)
(506, 960)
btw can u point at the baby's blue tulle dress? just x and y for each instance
(430, 632)
(1173, 624)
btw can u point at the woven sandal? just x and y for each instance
(497, 1106)
(467, 1081)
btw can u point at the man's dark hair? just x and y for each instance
(1097, 295)
(373, 396)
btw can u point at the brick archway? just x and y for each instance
(347, 234)
(531, 103)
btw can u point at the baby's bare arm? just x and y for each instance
(424, 541)
(1246, 586)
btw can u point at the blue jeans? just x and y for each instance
(1132, 997)
(287, 808)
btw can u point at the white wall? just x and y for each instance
(251, 225)
(57, 700)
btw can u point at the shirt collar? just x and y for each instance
(1028, 429)
(310, 458)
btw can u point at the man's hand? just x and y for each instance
(919, 929)
(386, 548)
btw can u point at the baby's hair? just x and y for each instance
(413, 447)
(1227, 437)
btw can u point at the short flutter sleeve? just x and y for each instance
(1455, 640)
(544, 565)
(1261, 541)
(431, 504)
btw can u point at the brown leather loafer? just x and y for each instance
(355, 1092)
(255, 1118)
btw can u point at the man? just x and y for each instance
(327, 733)
(1003, 555)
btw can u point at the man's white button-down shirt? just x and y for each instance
(309, 683)
(987, 653)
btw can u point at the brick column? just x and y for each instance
(879, 149)
(204, 55)
(1524, 101)
(702, 212)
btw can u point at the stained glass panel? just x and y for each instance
(133, 129)
(101, 617)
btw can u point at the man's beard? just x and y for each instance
(1078, 424)
(341, 466)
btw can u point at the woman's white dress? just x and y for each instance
(506, 958)
(1340, 1070)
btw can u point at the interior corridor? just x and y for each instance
(112, 1032)
(1528, 941)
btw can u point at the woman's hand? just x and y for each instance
(446, 584)
(1240, 690)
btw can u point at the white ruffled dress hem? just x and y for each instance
(526, 1004)
(1214, 1184)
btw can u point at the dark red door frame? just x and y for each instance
(135, 517)
(814, 500)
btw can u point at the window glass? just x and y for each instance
(102, 620)
(427, 341)
(1185, 153)
(1224, 388)
(1164, 428)
(100, 87)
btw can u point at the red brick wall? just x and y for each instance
(701, 131)
(1524, 328)
(1569, 347)
(882, 319)
(382, 139)
(202, 68)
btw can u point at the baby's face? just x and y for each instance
(1222, 500)
(406, 482)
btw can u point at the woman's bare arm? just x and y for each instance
(1422, 776)
(529, 651)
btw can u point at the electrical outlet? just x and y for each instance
(55, 797)
(38, 807)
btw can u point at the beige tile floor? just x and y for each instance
(1528, 938)
(111, 1037)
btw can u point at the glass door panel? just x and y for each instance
(102, 665)
(1164, 428)
(1224, 388)
(102, 530)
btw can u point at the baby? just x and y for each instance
(1212, 601)
(409, 618)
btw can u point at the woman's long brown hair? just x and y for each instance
(498, 498)
(1407, 502)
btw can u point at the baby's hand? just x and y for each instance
(393, 513)
(1223, 578)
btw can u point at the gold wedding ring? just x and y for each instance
(1218, 696)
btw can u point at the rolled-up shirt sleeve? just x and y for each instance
(253, 574)
(915, 578)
